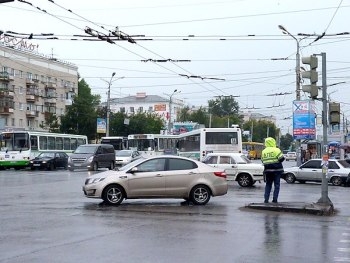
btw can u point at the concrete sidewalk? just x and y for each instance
(295, 207)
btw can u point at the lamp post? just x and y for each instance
(297, 88)
(170, 108)
(108, 104)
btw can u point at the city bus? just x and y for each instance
(153, 144)
(118, 142)
(196, 144)
(18, 147)
(253, 149)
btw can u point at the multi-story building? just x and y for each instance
(32, 87)
(164, 107)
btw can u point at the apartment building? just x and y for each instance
(32, 87)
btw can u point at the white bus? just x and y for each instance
(118, 142)
(18, 147)
(153, 144)
(197, 143)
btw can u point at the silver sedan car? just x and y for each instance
(311, 171)
(158, 177)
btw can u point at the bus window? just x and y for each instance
(66, 144)
(51, 143)
(59, 143)
(34, 142)
(43, 142)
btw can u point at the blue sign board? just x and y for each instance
(304, 124)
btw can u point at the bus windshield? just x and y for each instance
(14, 141)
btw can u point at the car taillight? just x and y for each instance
(220, 174)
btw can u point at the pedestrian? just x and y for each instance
(272, 158)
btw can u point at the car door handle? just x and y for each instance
(159, 175)
(332, 171)
(191, 172)
(314, 170)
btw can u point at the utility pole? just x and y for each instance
(108, 104)
(324, 192)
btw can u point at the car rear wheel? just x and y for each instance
(113, 195)
(245, 180)
(200, 195)
(336, 181)
(290, 178)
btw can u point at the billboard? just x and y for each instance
(304, 124)
(101, 125)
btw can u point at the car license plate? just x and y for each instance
(36, 164)
(77, 164)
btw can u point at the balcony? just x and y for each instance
(4, 76)
(31, 113)
(6, 110)
(51, 85)
(29, 81)
(50, 100)
(30, 98)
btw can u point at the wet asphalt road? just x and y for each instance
(46, 218)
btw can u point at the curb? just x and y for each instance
(306, 208)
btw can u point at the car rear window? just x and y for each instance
(179, 164)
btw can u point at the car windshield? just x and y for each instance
(46, 155)
(123, 153)
(132, 164)
(85, 149)
(242, 159)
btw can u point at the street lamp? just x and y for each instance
(297, 68)
(108, 104)
(297, 88)
(170, 106)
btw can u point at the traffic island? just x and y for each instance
(295, 207)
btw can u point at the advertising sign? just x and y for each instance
(101, 125)
(304, 120)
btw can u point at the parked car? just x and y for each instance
(163, 176)
(290, 156)
(124, 157)
(49, 161)
(92, 157)
(338, 172)
(237, 166)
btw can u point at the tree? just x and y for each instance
(81, 116)
(261, 129)
(51, 122)
(286, 142)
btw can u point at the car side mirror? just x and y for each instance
(134, 170)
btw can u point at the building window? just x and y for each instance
(150, 109)
(29, 75)
(20, 90)
(20, 122)
(13, 122)
(132, 109)
(21, 74)
(140, 109)
(21, 106)
(122, 109)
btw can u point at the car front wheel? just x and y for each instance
(200, 195)
(336, 181)
(113, 195)
(245, 180)
(290, 178)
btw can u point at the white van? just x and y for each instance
(237, 167)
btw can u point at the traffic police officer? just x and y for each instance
(272, 158)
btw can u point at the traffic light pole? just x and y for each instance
(324, 192)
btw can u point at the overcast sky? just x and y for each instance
(230, 47)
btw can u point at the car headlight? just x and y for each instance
(94, 180)
(90, 159)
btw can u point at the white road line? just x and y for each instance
(341, 259)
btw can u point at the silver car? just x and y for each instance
(338, 172)
(124, 157)
(158, 177)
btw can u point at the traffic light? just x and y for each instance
(312, 75)
(334, 113)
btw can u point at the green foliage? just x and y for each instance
(80, 117)
(51, 123)
(286, 142)
(261, 129)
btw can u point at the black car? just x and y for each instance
(50, 161)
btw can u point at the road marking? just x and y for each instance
(341, 259)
